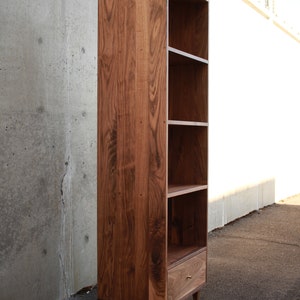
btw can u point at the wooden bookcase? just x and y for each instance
(187, 147)
(152, 148)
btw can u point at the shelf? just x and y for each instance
(187, 123)
(188, 27)
(178, 57)
(187, 55)
(179, 254)
(178, 190)
(187, 225)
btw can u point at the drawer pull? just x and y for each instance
(189, 277)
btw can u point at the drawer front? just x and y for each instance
(186, 277)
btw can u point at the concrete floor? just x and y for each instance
(255, 257)
(258, 256)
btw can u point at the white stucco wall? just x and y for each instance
(253, 114)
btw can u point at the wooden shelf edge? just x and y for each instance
(178, 190)
(188, 55)
(186, 257)
(187, 123)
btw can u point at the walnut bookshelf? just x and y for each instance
(152, 148)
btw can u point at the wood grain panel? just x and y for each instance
(188, 89)
(157, 158)
(177, 190)
(188, 154)
(188, 27)
(132, 149)
(124, 278)
(186, 278)
(142, 152)
(179, 254)
(187, 218)
(196, 296)
(107, 148)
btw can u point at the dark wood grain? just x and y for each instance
(187, 220)
(188, 27)
(178, 253)
(196, 296)
(132, 149)
(157, 158)
(188, 154)
(188, 89)
(186, 278)
(107, 149)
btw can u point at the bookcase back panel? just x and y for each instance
(188, 26)
(188, 90)
(187, 221)
(187, 160)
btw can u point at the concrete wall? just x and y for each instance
(47, 147)
(254, 99)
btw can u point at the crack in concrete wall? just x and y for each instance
(62, 181)
(65, 242)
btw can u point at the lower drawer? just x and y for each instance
(186, 277)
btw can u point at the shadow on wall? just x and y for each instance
(240, 202)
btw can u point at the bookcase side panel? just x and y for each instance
(131, 150)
